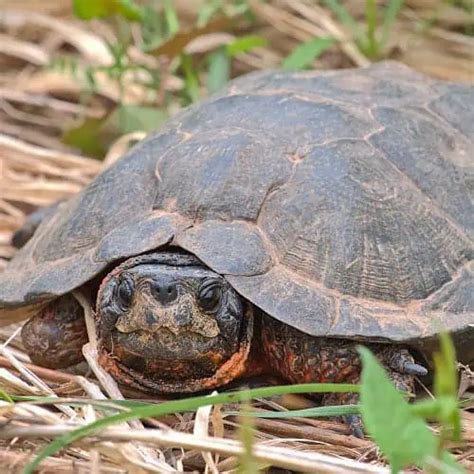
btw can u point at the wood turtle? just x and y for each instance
(269, 228)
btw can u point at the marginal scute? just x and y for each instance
(118, 195)
(456, 297)
(144, 234)
(229, 248)
(359, 317)
(48, 280)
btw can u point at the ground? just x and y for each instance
(64, 102)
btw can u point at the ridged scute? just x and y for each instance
(339, 202)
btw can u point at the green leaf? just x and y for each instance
(86, 137)
(176, 406)
(219, 69)
(94, 135)
(304, 54)
(403, 437)
(89, 9)
(132, 118)
(130, 10)
(245, 44)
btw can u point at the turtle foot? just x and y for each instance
(402, 371)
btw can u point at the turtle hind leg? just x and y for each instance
(54, 337)
(301, 358)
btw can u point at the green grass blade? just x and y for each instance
(219, 70)
(176, 406)
(191, 79)
(206, 11)
(245, 44)
(389, 17)
(171, 18)
(5, 396)
(304, 54)
(345, 18)
(247, 463)
(372, 47)
(333, 410)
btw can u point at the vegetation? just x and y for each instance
(398, 428)
(160, 34)
(157, 58)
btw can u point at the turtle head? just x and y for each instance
(167, 323)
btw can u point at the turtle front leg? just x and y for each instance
(54, 337)
(301, 358)
(401, 369)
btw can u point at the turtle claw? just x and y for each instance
(411, 368)
(355, 425)
(402, 362)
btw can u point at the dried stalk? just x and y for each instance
(280, 457)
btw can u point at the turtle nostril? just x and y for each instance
(164, 292)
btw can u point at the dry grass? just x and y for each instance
(37, 105)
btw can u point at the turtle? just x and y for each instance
(270, 228)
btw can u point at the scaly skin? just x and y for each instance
(54, 337)
(301, 358)
(168, 324)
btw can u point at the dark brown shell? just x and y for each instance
(339, 202)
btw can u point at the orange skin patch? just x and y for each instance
(301, 358)
(276, 349)
(233, 368)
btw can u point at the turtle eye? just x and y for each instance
(125, 290)
(210, 295)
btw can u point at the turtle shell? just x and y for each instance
(339, 202)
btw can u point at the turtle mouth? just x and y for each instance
(165, 345)
(183, 375)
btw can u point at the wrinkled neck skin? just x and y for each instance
(168, 324)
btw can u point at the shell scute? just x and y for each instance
(340, 203)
